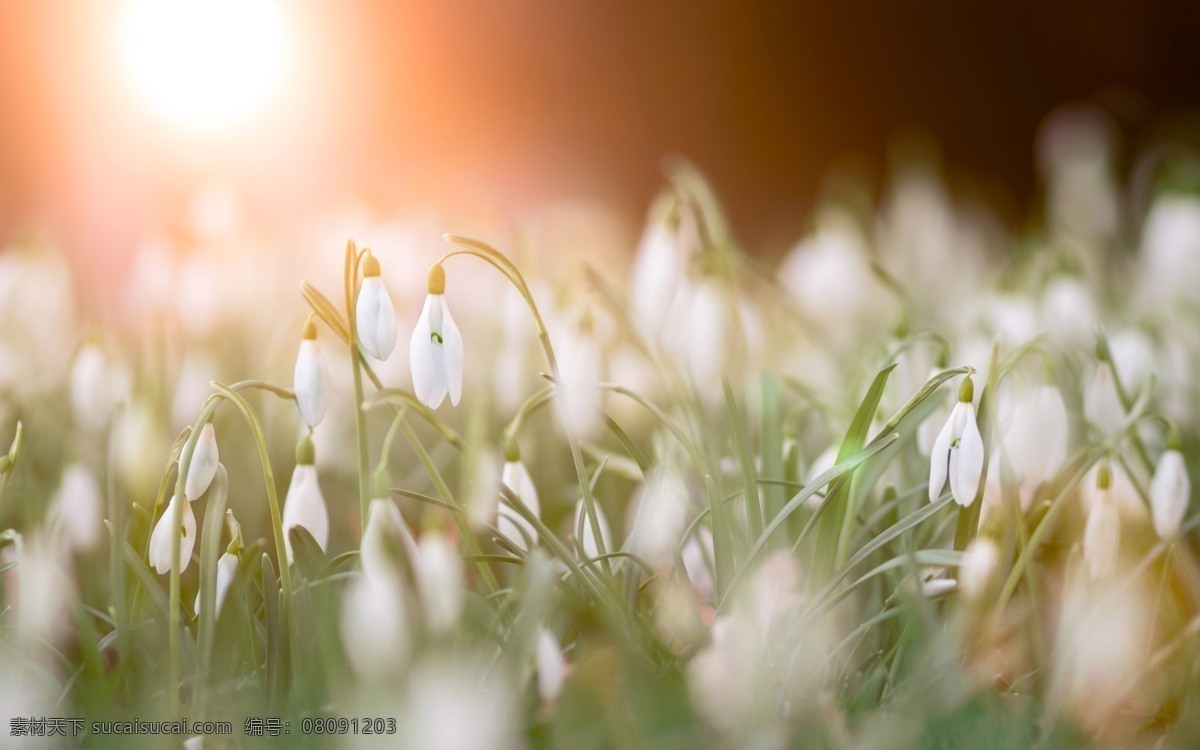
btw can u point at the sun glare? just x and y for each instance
(203, 63)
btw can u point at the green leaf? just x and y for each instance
(833, 533)
(307, 555)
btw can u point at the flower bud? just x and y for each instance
(375, 317)
(204, 463)
(309, 377)
(1170, 490)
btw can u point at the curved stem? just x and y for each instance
(360, 419)
(505, 266)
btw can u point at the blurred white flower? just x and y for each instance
(77, 507)
(657, 515)
(139, 444)
(829, 276)
(453, 705)
(97, 384)
(440, 580)
(1033, 439)
(373, 623)
(588, 542)
(551, 666)
(305, 506)
(192, 386)
(309, 378)
(821, 464)
(510, 523)
(203, 467)
(979, 563)
(1101, 402)
(1068, 310)
(436, 349)
(160, 538)
(579, 365)
(1170, 490)
(1170, 254)
(374, 315)
(1102, 536)
(385, 525)
(698, 561)
(658, 265)
(227, 567)
(1121, 489)
(958, 452)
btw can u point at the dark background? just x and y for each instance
(512, 103)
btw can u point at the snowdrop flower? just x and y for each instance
(373, 622)
(96, 385)
(309, 377)
(1033, 439)
(698, 559)
(436, 349)
(979, 563)
(516, 477)
(160, 538)
(384, 525)
(203, 467)
(578, 409)
(1170, 490)
(439, 573)
(305, 505)
(958, 451)
(1101, 402)
(1102, 536)
(657, 517)
(658, 264)
(374, 315)
(227, 567)
(588, 543)
(1171, 250)
(77, 507)
(551, 666)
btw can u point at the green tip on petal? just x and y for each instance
(966, 390)
(437, 279)
(306, 454)
(512, 451)
(1104, 476)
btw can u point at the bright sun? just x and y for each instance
(203, 63)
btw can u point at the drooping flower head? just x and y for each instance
(958, 451)
(1170, 490)
(1102, 536)
(516, 477)
(309, 377)
(204, 464)
(375, 317)
(305, 505)
(160, 538)
(436, 349)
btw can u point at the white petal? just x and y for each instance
(227, 567)
(1102, 540)
(939, 459)
(551, 666)
(160, 538)
(373, 623)
(375, 318)
(452, 353)
(439, 574)
(510, 523)
(1170, 490)
(309, 382)
(204, 464)
(978, 565)
(305, 506)
(426, 359)
(966, 461)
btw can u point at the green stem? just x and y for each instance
(505, 266)
(360, 418)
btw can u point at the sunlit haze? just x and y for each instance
(203, 63)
